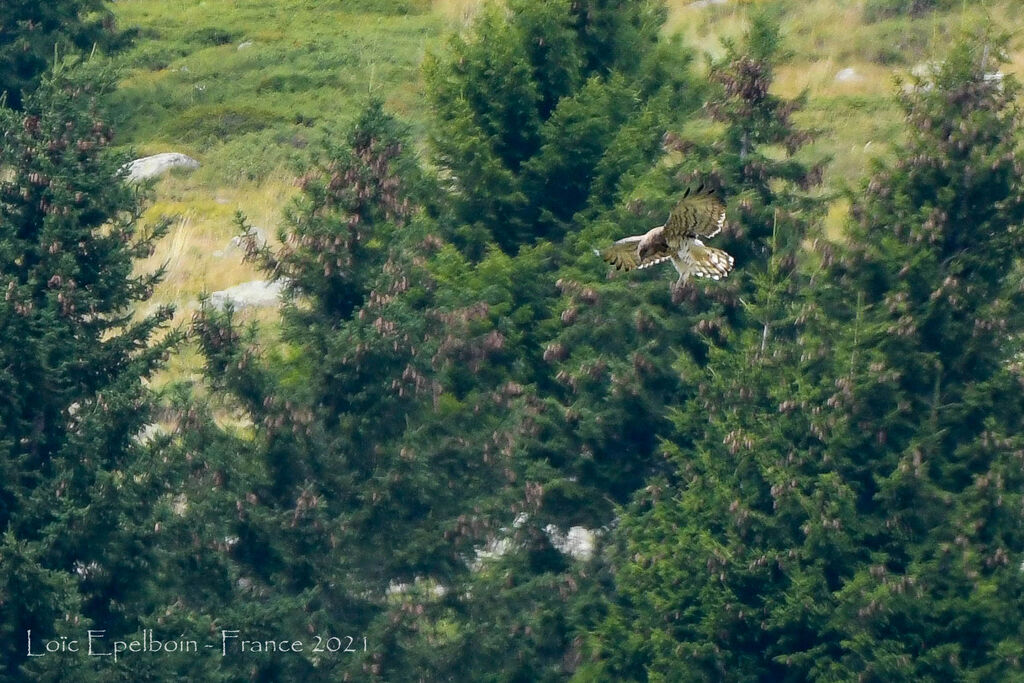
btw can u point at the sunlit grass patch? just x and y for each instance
(457, 11)
(250, 87)
(263, 64)
(835, 219)
(827, 77)
(851, 130)
(704, 27)
(247, 89)
(198, 250)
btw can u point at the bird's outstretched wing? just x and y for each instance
(698, 214)
(623, 254)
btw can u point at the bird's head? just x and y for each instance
(650, 243)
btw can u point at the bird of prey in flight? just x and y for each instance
(697, 215)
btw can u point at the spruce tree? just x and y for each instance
(929, 410)
(845, 497)
(618, 337)
(73, 361)
(542, 106)
(609, 347)
(364, 455)
(32, 33)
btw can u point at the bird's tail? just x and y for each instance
(711, 262)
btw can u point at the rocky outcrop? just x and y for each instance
(847, 75)
(159, 164)
(239, 241)
(578, 543)
(252, 294)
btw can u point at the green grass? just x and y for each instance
(856, 120)
(251, 116)
(249, 88)
(302, 64)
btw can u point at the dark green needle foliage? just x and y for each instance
(542, 106)
(73, 357)
(609, 347)
(810, 470)
(617, 338)
(754, 156)
(931, 407)
(405, 421)
(373, 445)
(32, 33)
(845, 500)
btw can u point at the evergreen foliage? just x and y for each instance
(378, 434)
(620, 338)
(32, 33)
(541, 103)
(845, 497)
(609, 348)
(74, 357)
(930, 404)
(811, 470)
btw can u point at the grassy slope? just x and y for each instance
(247, 88)
(248, 114)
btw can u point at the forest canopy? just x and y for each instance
(464, 449)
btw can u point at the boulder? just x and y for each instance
(925, 72)
(150, 432)
(252, 294)
(238, 241)
(847, 75)
(158, 164)
(578, 543)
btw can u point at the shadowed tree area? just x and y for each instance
(845, 497)
(541, 107)
(32, 34)
(73, 362)
(470, 452)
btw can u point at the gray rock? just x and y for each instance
(238, 241)
(499, 546)
(926, 69)
(578, 543)
(252, 294)
(158, 164)
(848, 75)
(925, 72)
(245, 45)
(701, 4)
(150, 432)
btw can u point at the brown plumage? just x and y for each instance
(700, 214)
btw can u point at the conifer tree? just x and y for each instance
(376, 449)
(929, 410)
(543, 106)
(845, 505)
(767, 189)
(73, 359)
(32, 33)
(619, 337)
(609, 348)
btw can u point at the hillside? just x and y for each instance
(247, 89)
(622, 340)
